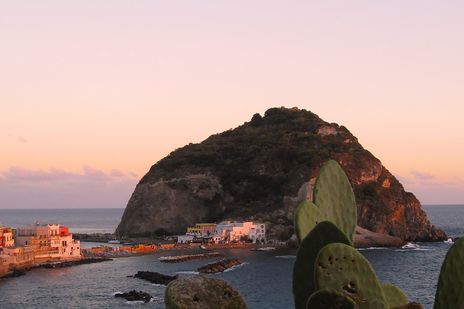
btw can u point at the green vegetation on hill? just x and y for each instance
(259, 170)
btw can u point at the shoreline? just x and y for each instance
(21, 271)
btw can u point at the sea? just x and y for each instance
(264, 279)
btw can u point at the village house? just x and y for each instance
(49, 242)
(228, 231)
(12, 257)
(185, 239)
(202, 229)
(17, 257)
(6, 237)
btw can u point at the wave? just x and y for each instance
(118, 292)
(187, 272)
(372, 248)
(160, 285)
(413, 247)
(449, 241)
(136, 302)
(410, 245)
(285, 256)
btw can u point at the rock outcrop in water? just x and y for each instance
(199, 292)
(135, 296)
(155, 277)
(261, 171)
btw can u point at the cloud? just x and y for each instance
(19, 139)
(53, 175)
(422, 176)
(56, 188)
(431, 189)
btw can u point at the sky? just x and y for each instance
(92, 93)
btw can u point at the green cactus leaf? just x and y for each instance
(450, 291)
(303, 271)
(307, 216)
(324, 299)
(342, 268)
(334, 196)
(394, 296)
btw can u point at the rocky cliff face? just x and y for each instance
(261, 171)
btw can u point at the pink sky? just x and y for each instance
(92, 93)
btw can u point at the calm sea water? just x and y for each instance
(98, 220)
(264, 280)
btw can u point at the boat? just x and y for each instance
(449, 241)
(114, 241)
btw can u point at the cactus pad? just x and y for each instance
(303, 271)
(324, 299)
(450, 289)
(341, 268)
(394, 296)
(334, 196)
(307, 216)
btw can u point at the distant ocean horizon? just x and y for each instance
(79, 220)
(106, 220)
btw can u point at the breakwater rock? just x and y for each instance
(154, 277)
(219, 266)
(261, 171)
(187, 257)
(365, 239)
(135, 296)
(74, 262)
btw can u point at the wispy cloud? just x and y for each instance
(19, 139)
(432, 189)
(54, 175)
(28, 188)
(422, 176)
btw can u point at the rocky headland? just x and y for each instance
(261, 171)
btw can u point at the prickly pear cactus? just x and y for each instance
(324, 299)
(333, 201)
(342, 268)
(394, 296)
(450, 289)
(303, 270)
(334, 195)
(307, 216)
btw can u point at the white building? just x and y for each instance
(184, 239)
(240, 231)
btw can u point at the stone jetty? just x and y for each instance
(187, 257)
(219, 266)
(83, 261)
